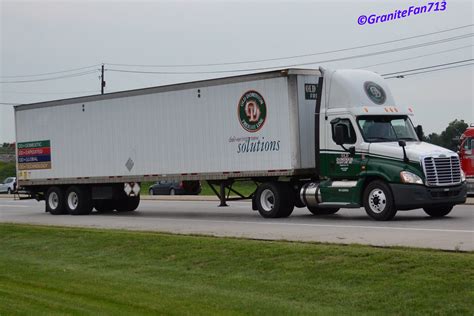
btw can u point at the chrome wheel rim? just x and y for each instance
(53, 200)
(377, 201)
(72, 200)
(267, 200)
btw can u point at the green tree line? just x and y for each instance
(449, 138)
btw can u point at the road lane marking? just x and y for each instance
(325, 225)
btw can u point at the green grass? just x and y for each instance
(84, 271)
(244, 187)
(7, 170)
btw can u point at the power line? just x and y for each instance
(51, 73)
(429, 67)
(54, 78)
(300, 64)
(427, 71)
(401, 75)
(290, 57)
(415, 57)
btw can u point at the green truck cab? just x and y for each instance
(371, 155)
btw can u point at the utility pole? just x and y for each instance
(102, 81)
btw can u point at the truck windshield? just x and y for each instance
(386, 128)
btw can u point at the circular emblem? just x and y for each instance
(252, 111)
(375, 92)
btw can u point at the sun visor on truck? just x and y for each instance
(357, 88)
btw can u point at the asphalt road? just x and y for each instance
(412, 228)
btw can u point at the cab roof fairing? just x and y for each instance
(345, 89)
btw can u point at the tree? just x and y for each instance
(449, 138)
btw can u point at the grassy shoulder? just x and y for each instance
(45, 270)
(244, 187)
(7, 170)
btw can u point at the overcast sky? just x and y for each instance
(49, 36)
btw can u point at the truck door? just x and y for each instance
(467, 156)
(338, 163)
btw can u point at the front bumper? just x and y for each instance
(470, 186)
(411, 196)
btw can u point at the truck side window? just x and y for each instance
(468, 143)
(346, 123)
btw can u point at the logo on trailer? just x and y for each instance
(375, 92)
(252, 111)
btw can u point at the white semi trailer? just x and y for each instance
(309, 138)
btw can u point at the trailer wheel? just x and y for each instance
(438, 211)
(322, 210)
(378, 201)
(274, 199)
(104, 206)
(127, 204)
(54, 201)
(78, 200)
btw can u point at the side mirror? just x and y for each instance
(419, 132)
(339, 134)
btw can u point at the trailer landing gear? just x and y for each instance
(223, 196)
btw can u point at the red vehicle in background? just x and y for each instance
(466, 154)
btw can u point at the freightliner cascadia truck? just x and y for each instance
(319, 139)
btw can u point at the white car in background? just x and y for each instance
(8, 185)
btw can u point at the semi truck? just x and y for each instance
(314, 138)
(466, 154)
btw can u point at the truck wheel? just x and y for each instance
(78, 200)
(438, 211)
(378, 201)
(274, 200)
(322, 210)
(54, 201)
(128, 204)
(104, 206)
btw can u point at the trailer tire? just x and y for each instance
(78, 200)
(378, 201)
(322, 210)
(128, 204)
(104, 206)
(274, 200)
(438, 211)
(55, 201)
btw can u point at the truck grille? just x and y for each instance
(442, 171)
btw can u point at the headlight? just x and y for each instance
(408, 177)
(463, 176)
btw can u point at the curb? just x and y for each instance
(210, 198)
(155, 197)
